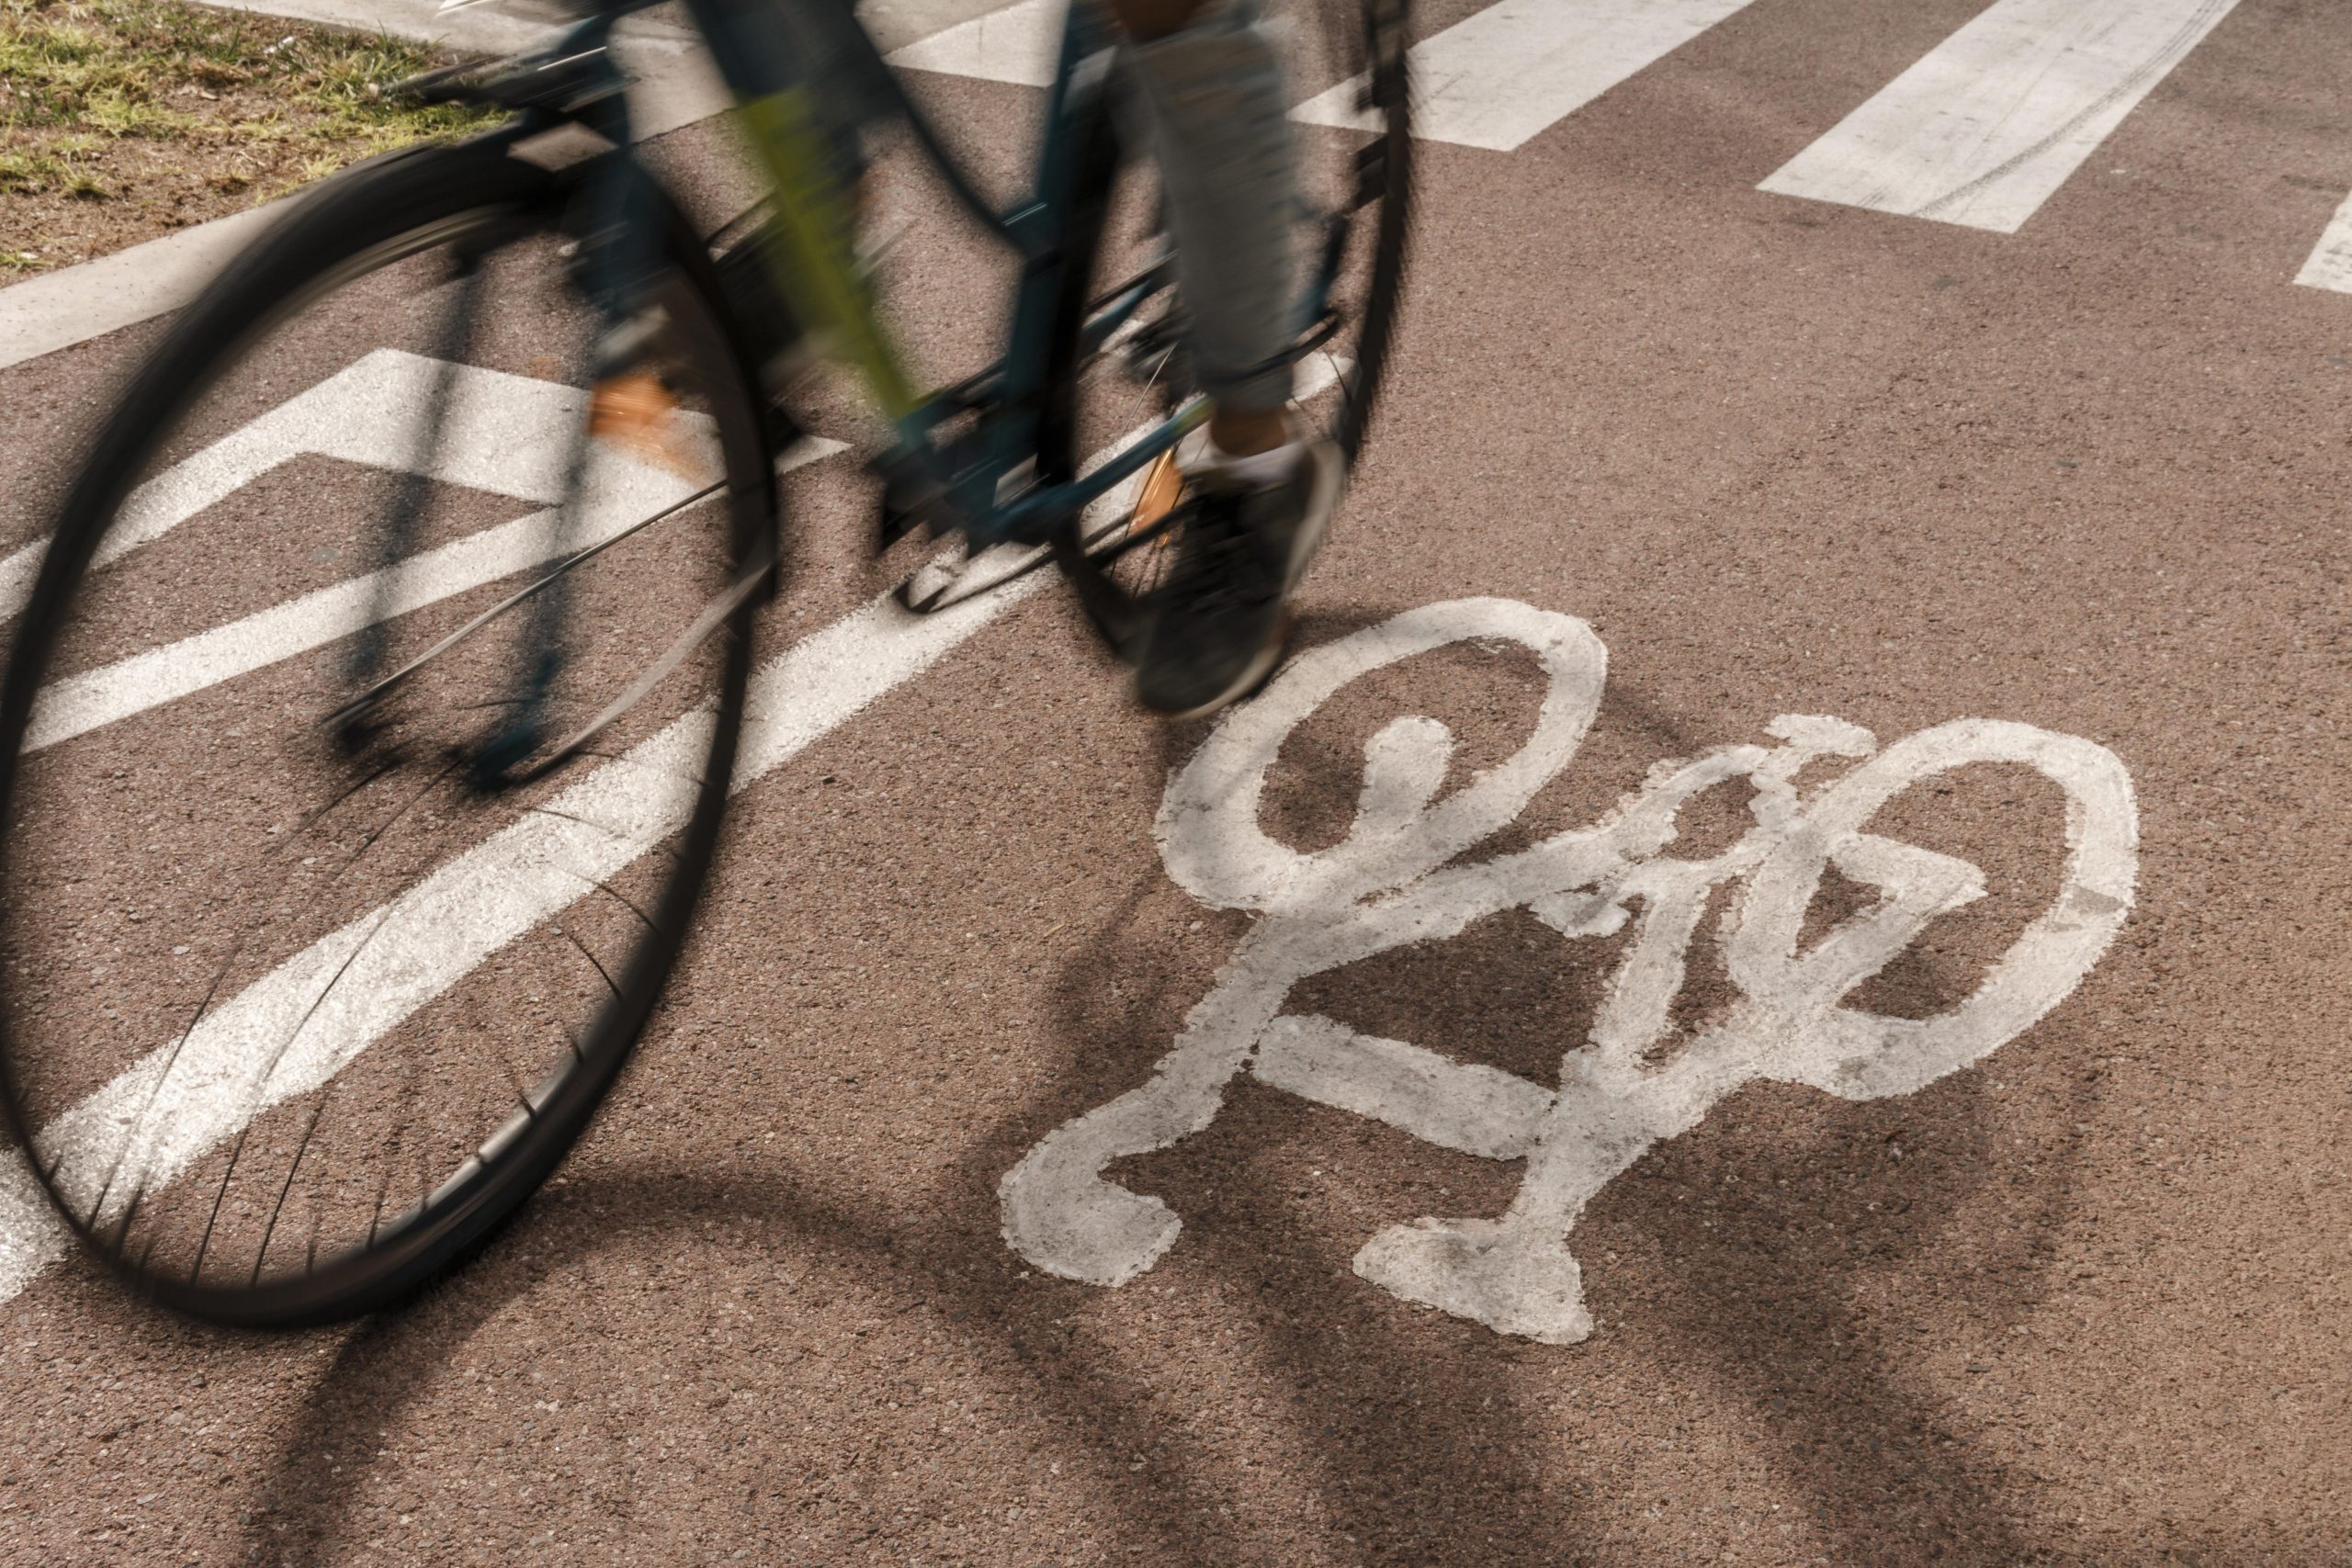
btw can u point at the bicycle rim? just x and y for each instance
(303, 997)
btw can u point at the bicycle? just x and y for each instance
(312, 985)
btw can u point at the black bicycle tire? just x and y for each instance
(1113, 610)
(341, 223)
(1390, 254)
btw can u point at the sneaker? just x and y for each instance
(1223, 615)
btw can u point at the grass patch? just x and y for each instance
(122, 119)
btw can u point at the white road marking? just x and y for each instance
(488, 29)
(894, 23)
(1982, 130)
(57, 310)
(1513, 70)
(672, 80)
(675, 86)
(471, 908)
(506, 434)
(1019, 44)
(1397, 879)
(1493, 81)
(2329, 264)
(493, 29)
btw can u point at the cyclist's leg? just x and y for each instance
(1213, 89)
(1212, 84)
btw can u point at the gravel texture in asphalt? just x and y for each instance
(2079, 1300)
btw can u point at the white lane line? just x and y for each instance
(79, 704)
(472, 906)
(475, 905)
(74, 304)
(675, 86)
(486, 28)
(624, 492)
(506, 434)
(1019, 44)
(1982, 130)
(509, 434)
(1515, 69)
(672, 80)
(2329, 264)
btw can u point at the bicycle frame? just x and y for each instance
(982, 481)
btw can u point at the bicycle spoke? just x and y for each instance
(612, 985)
(203, 1006)
(605, 887)
(715, 615)
(384, 687)
(261, 1253)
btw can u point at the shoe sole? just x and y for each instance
(1322, 501)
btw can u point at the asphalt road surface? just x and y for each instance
(1945, 406)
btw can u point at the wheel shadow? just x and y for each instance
(1764, 1300)
(306, 1512)
(1423, 1439)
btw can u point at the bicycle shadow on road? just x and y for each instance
(1415, 1438)
(308, 1512)
(1436, 1441)
(1431, 1436)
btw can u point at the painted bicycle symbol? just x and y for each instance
(1393, 881)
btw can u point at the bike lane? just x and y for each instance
(2077, 1300)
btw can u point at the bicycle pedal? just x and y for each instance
(639, 415)
(1162, 488)
(1152, 351)
(1145, 369)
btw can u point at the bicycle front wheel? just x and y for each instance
(366, 737)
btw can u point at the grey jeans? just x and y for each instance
(1218, 110)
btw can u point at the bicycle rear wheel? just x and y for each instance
(312, 972)
(1120, 358)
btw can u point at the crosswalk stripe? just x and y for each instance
(1494, 81)
(1982, 130)
(1515, 69)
